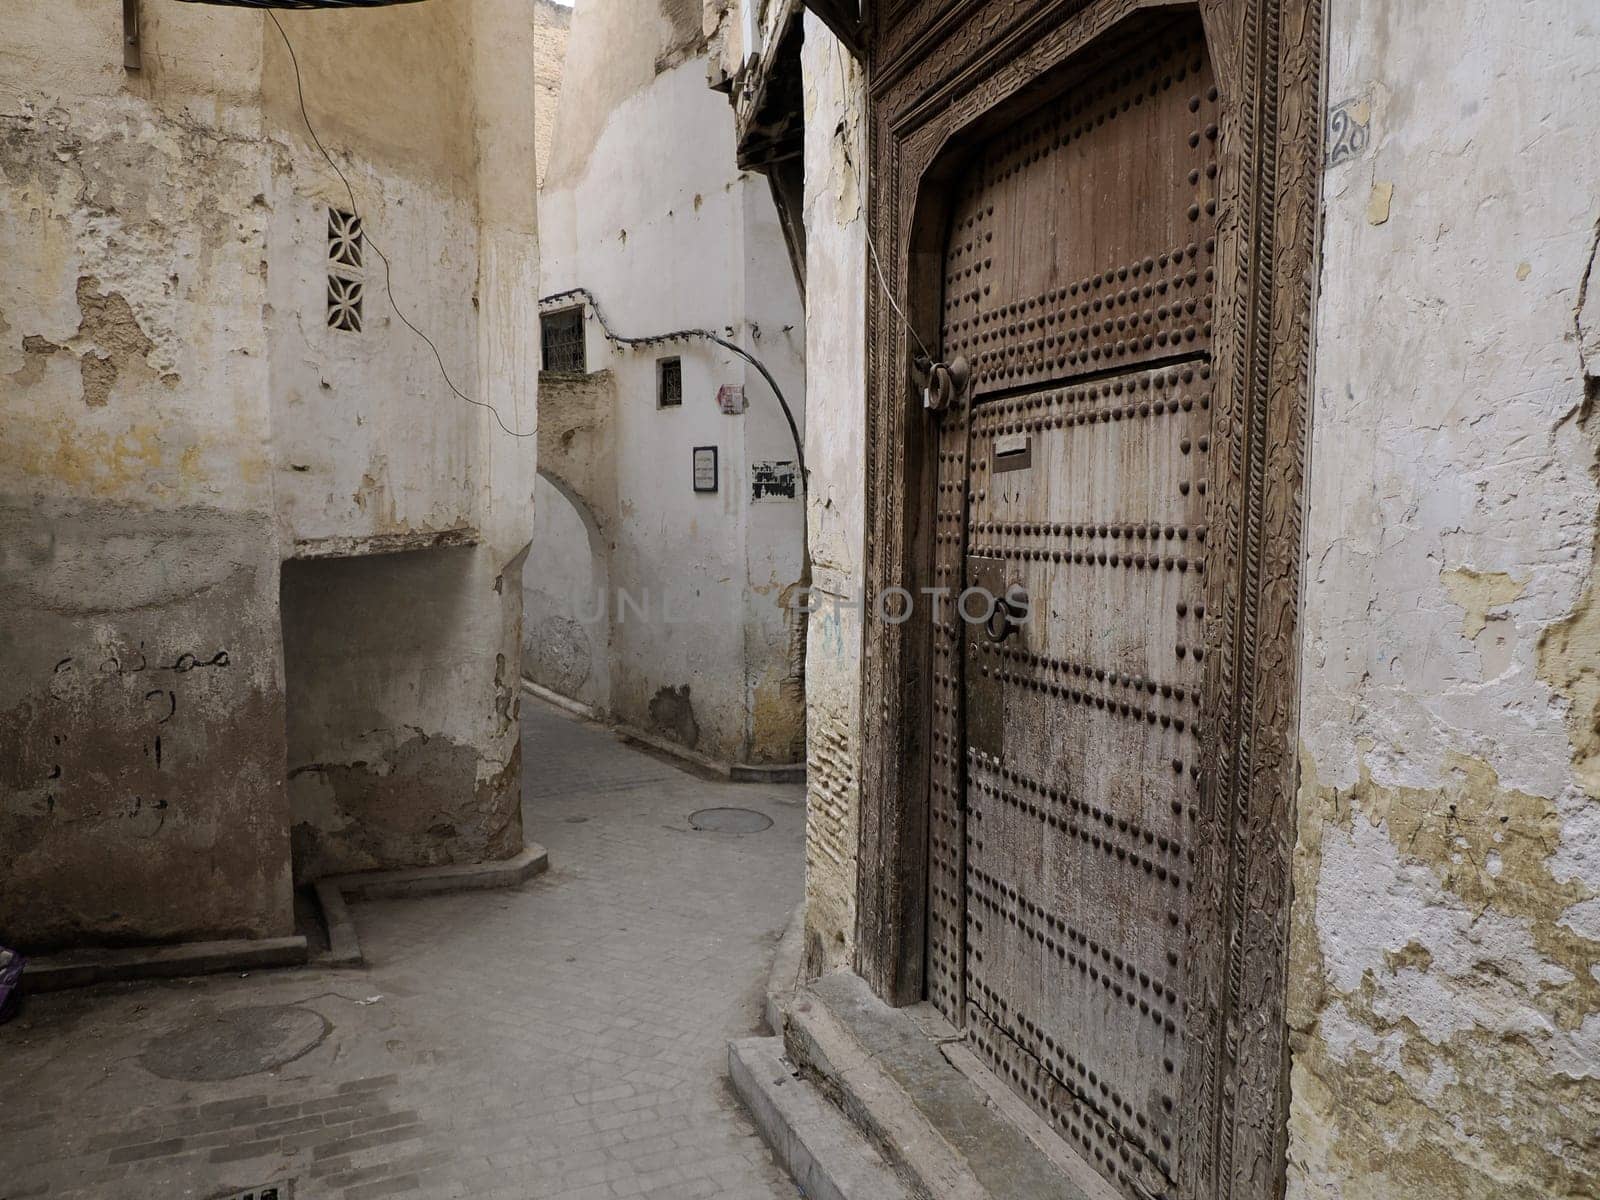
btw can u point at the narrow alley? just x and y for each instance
(799, 600)
(565, 1039)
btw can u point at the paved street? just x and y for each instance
(566, 1039)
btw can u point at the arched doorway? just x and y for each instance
(566, 586)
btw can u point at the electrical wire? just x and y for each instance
(888, 294)
(679, 335)
(388, 271)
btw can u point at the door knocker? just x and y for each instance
(1009, 614)
(942, 384)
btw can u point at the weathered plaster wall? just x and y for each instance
(612, 53)
(404, 138)
(1446, 993)
(402, 741)
(141, 716)
(178, 418)
(552, 23)
(567, 591)
(643, 206)
(566, 639)
(836, 274)
(382, 772)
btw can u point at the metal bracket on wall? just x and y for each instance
(132, 50)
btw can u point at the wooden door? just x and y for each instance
(1079, 286)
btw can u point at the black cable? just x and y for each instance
(678, 335)
(388, 273)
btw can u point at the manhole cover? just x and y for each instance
(730, 820)
(228, 1045)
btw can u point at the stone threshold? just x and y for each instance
(334, 892)
(854, 1087)
(692, 760)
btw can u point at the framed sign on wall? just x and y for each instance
(705, 468)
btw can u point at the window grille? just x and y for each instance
(562, 336)
(669, 383)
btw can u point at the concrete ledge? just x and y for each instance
(433, 881)
(80, 968)
(825, 1155)
(733, 772)
(780, 773)
(344, 946)
(788, 965)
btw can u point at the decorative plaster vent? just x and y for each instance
(561, 334)
(344, 304)
(344, 240)
(346, 262)
(669, 382)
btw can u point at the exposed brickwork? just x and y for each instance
(565, 1040)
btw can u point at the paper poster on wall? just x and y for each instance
(730, 398)
(773, 481)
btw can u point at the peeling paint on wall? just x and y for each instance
(1445, 942)
(835, 151)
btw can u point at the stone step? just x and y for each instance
(909, 1083)
(825, 1155)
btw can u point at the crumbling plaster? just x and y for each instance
(836, 271)
(403, 742)
(1445, 992)
(141, 718)
(179, 419)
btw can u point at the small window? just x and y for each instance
(669, 382)
(562, 336)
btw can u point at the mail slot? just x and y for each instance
(1013, 452)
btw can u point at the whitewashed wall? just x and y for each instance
(644, 207)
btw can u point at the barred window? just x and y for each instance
(669, 382)
(562, 336)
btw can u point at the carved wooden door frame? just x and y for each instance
(938, 71)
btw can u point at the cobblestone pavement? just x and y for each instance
(566, 1039)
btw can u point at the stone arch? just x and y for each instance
(566, 588)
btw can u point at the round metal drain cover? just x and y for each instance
(730, 820)
(227, 1045)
